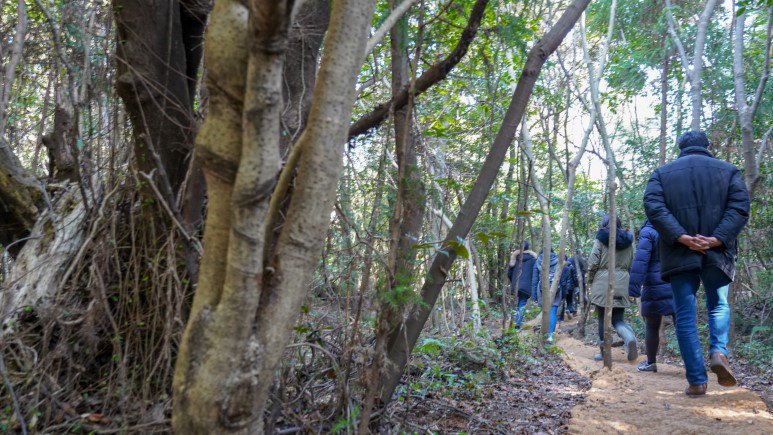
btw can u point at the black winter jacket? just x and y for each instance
(697, 194)
(524, 282)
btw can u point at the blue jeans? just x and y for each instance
(522, 300)
(553, 318)
(684, 286)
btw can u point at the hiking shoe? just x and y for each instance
(719, 365)
(550, 338)
(695, 390)
(645, 366)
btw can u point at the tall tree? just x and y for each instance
(747, 110)
(241, 316)
(408, 334)
(694, 68)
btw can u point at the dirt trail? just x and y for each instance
(625, 400)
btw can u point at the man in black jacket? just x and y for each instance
(698, 205)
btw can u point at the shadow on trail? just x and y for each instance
(626, 400)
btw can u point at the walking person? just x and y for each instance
(598, 278)
(566, 286)
(536, 289)
(699, 205)
(656, 296)
(519, 271)
(570, 282)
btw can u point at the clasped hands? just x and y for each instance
(699, 243)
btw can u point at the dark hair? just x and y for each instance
(693, 139)
(526, 245)
(605, 221)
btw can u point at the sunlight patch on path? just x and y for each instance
(624, 400)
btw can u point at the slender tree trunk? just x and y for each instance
(746, 111)
(547, 301)
(406, 337)
(693, 72)
(475, 310)
(664, 107)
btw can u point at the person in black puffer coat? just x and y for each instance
(519, 272)
(656, 296)
(570, 283)
(699, 205)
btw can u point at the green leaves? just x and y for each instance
(459, 248)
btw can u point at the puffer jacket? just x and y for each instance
(568, 279)
(526, 266)
(536, 278)
(656, 295)
(598, 275)
(697, 194)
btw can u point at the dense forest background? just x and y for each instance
(297, 215)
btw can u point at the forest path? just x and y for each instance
(626, 400)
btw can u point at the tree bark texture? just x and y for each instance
(663, 141)
(159, 51)
(305, 41)
(694, 68)
(408, 214)
(406, 337)
(21, 199)
(539, 192)
(241, 318)
(746, 111)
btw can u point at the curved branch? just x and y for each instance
(434, 74)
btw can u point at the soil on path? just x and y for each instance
(625, 400)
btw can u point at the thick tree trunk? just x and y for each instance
(406, 337)
(243, 311)
(300, 71)
(21, 200)
(159, 52)
(34, 280)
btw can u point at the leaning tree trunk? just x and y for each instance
(408, 334)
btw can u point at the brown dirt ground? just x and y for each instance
(625, 400)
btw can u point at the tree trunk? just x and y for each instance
(159, 52)
(244, 307)
(406, 337)
(663, 107)
(697, 64)
(746, 111)
(539, 192)
(693, 73)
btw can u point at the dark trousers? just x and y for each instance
(617, 318)
(652, 336)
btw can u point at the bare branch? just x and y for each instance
(388, 24)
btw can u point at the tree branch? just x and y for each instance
(432, 75)
(391, 20)
(675, 37)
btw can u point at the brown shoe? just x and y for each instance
(695, 390)
(719, 365)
